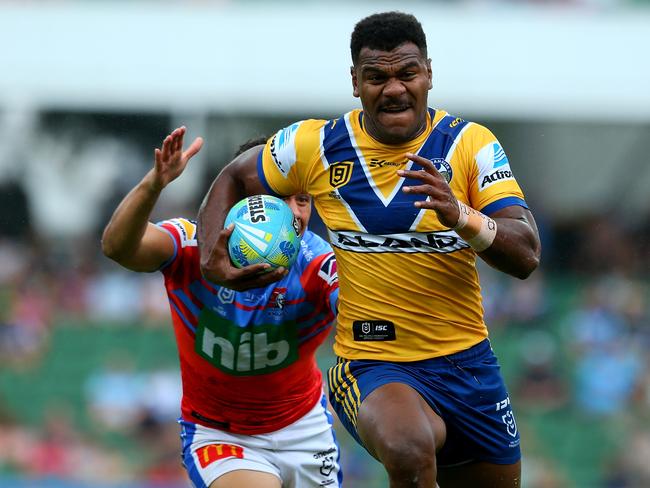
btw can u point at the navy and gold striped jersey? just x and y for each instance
(409, 288)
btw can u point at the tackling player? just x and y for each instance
(253, 411)
(410, 195)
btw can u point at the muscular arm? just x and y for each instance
(516, 248)
(236, 181)
(129, 238)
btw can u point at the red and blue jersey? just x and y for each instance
(247, 358)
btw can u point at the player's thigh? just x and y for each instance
(481, 475)
(244, 478)
(395, 413)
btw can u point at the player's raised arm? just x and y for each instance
(129, 238)
(236, 181)
(507, 239)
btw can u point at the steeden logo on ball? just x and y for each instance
(265, 232)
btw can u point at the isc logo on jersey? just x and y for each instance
(493, 166)
(283, 148)
(246, 351)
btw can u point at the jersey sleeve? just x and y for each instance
(285, 164)
(320, 277)
(492, 185)
(327, 272)
(183, 234)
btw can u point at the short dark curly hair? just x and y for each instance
(251, 143)
(385, 31)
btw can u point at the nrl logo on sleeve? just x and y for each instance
(340, 173)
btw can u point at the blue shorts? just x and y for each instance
(465, 389)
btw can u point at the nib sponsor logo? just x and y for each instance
(242, 351)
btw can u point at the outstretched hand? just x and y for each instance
(171, 160)
(440, 198)
(218, 269)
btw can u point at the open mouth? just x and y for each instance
(394, 106)
(394, 109)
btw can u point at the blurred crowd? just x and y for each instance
(581, 333)
(38, 290)
(41, 290)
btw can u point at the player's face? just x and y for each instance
(393, 88)
(300, 204)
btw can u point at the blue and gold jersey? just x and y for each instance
(409, 288)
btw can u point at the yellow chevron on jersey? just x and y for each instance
(400, 270)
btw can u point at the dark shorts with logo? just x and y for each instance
(466, 389)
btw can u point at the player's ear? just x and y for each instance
(429, 73)
(355, 85)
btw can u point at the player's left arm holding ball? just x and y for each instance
(507, 239)
(129, 238)
(236, 180)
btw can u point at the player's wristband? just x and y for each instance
(477, 229)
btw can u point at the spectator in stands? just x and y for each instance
(538, 384)
(115, 392)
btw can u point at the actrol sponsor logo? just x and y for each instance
(496, 176)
